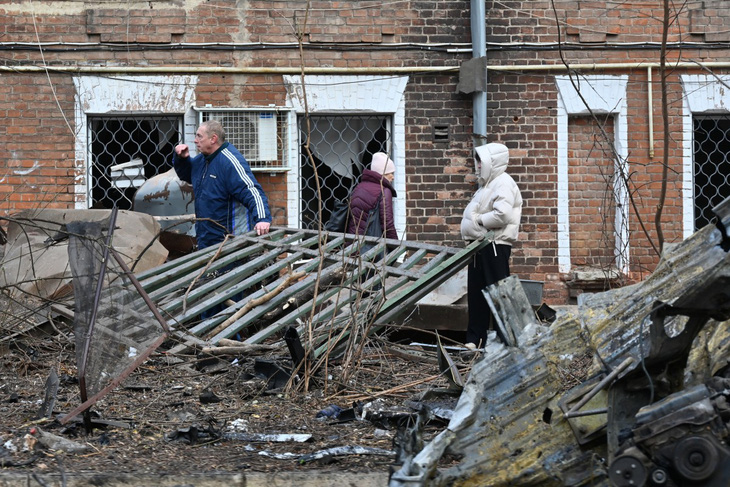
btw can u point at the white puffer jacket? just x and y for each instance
(497, 204)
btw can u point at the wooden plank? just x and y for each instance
(186, 263)
(431, 280)
(183, 280)
(305, 309)
(212, 322)
(284, 245)
(279, 300)
(228, 285)
(190, 265)
(363, 313)
(416, 289)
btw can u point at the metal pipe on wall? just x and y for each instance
(479, 49)
(364, 70)
(650, 112)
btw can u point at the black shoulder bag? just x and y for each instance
(338, 219)
(374, 229)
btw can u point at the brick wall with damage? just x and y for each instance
(49, 45)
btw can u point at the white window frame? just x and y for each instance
(96, 95)
(350, 95)
(703, 94)
(603, 95)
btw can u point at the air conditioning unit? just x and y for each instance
(267, 144)
(253, 133)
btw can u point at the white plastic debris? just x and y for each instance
(10, 446)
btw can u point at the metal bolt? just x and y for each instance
(696, 459)
(659, 476)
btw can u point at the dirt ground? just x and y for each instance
(180, 417)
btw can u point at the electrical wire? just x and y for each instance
(45, 66)
(66, 47)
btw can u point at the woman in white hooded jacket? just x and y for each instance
(496, 207)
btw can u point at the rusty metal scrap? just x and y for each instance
(515, 425)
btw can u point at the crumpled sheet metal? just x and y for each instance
(710, 353)
(507, 424)
(36, 256)
(685, 267)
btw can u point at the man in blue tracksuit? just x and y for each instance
(228, 199)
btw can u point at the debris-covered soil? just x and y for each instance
(190, 415)
(183, 411)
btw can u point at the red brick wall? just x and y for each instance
(523, 108)
(38, 126)
(275, 188)
(592, 22)
(438, 180)
(591, 198)
(37, 167)
(525, 121)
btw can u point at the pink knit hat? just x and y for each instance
(382, 164)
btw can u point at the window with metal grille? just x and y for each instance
(125, 151)
(261, 136)
(711, 165)
(341, 147)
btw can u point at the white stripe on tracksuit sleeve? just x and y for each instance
(260, 209)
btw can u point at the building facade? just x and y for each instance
(92, 90)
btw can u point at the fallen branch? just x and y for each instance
(290, 279)
(413, 357)
(233, 347)
(392, 390)
(305, 295)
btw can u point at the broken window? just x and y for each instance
(261, 136)
(711, 168)
(341, 146)
(143, 144)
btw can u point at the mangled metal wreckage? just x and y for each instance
(652, 410)
(264, 291)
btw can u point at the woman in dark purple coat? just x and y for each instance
(375, 184)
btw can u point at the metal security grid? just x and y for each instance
(261, 268)
(341, 146)
(711, 166)
(261, 136)
(120, 139)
